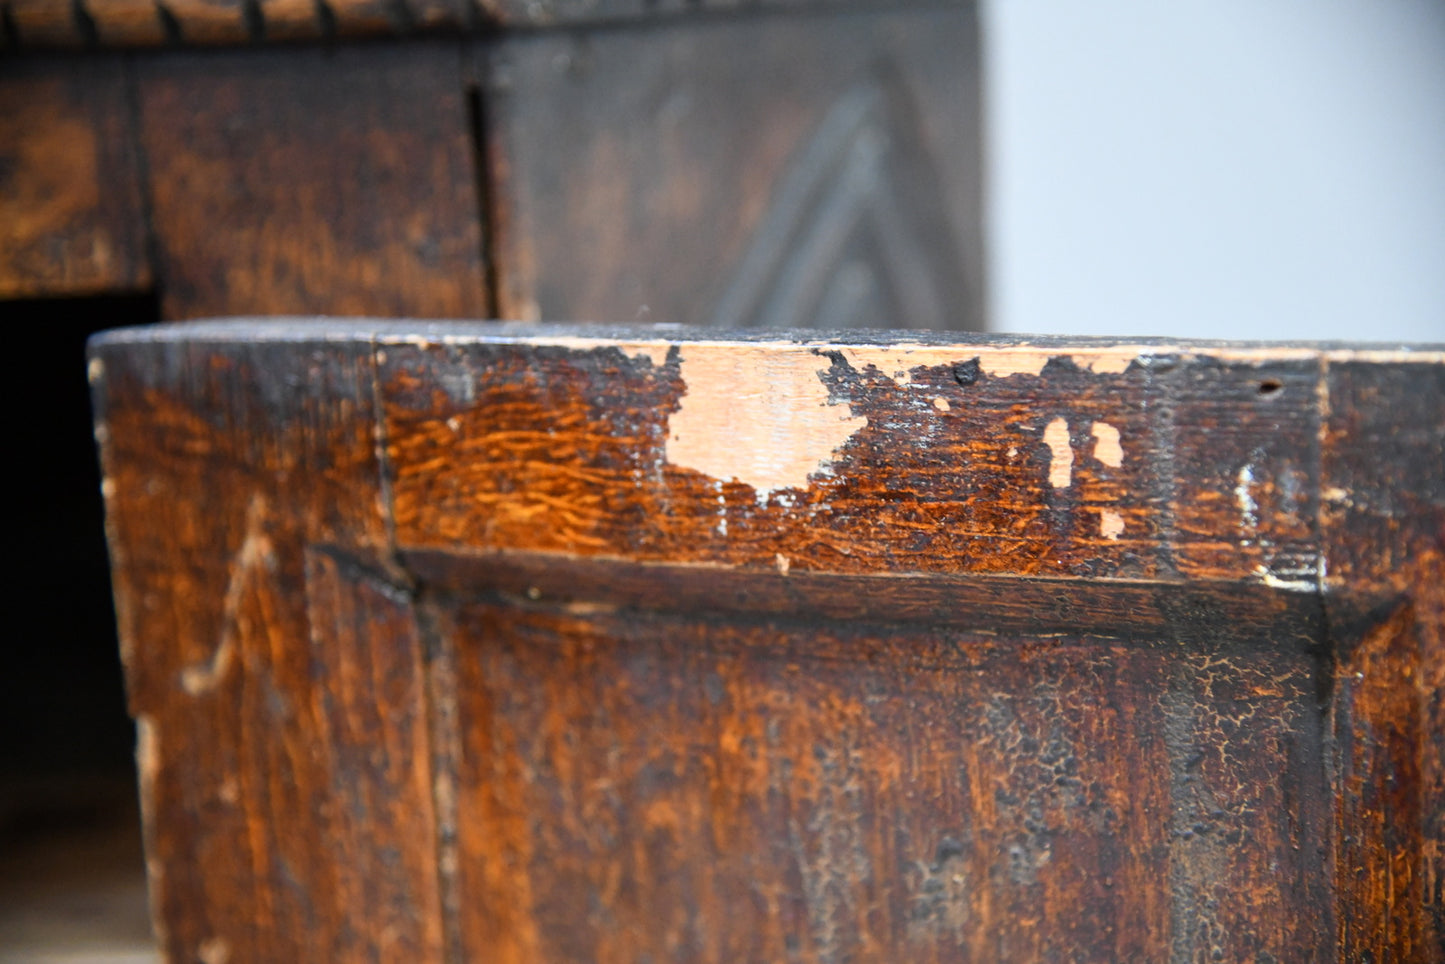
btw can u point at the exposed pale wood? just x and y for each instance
(865, 470)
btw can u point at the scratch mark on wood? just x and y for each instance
(148, 767)
(214, 950)
(1244, 497)
(256, 552)
(1283, 582)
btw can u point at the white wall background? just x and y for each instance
(1217, 168)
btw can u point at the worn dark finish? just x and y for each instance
(960, 469)
(513, 643)
(1134, 610)
(149, 23)
(639, 785)
(333, 182)
(70, 204)
(801, 166)
(284, 780)
(1384, 523)
(781, 171)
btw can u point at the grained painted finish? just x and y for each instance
(438, 655)
(1384, 519)
(575, 448)
(658, 785)
(285, 779)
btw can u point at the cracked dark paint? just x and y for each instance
(497, 675)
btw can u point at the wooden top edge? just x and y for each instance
(660, 336)
(42, 25)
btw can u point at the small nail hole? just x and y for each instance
(1269, 387)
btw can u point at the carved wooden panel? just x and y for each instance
(747, 172)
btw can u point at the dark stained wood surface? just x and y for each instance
(527, 643)
(649, 786)
(770, 171)
(283, 785)
(797, 167)
(1384, 524)
(313, 181)
(144, 23)
(1118, 609)
(139, 23)
(70, 203)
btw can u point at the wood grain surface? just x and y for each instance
(858, 458)
(444, 649)
(660, 786)
(313, 181)
(1384, 523)
(71, 220)
(288, 809)
(789, 169)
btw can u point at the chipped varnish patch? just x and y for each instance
(756, 416)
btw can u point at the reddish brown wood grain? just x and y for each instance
(281, 778)
(661, 786)
(1022, 606)
(445, 624)
(372, 738)
(1384, 518)
(731, 171)
(945, 469)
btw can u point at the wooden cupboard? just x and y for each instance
(517, 642)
